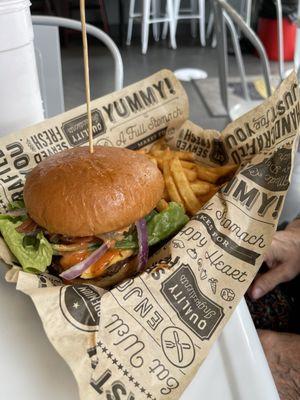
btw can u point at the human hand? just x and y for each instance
(282, 351)
(282, 259)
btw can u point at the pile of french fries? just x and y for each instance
(187, 182)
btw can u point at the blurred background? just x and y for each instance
(191, 52)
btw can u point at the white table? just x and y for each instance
(30, 368)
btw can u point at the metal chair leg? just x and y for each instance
(238, 55)
(280, 39)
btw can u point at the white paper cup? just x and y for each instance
(20, 97)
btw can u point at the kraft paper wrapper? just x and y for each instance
(146, 338)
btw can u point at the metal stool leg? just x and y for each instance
(202, 22)
(193, 21)
(155, 12)
(176, 13)
(171, 16)
(145, 25)
(210, 24)
(130, 22)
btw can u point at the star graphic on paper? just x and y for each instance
(142, 389)
(109, 355)
(120, 366)
(149, 395)
(114, 360)
(131, 378)
(125, 372)
(99, 343)
(76, 305)
(136, 384)
(104, 349)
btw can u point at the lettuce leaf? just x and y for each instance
(32, 258)
(16, 205)
(159, 227)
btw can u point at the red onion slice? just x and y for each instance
(16, 213)
(81, 267)
(141, 228)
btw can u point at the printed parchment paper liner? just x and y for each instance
(146, 338)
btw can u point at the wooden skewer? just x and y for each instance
(86, 74)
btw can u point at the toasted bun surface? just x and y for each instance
(77, 193)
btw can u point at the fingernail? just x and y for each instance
(257, 293)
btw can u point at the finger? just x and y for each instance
(270, 258)
(268, 281)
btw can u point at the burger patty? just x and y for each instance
(113, 275)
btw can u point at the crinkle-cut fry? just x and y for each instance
(213, 190)
(191, 202)
(170, 184)
(166, 194)
(164, 155)
(160, 162)
(191, 174)
(226, 170)
(159, 145)
(162, 205)
(187, 164)
(207, 174)
(154, 160)
(142, 151)
(213, 174)
(182, 155)
(200, 187)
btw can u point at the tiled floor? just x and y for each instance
(138, 66)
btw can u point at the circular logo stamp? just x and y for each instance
(177, 347)
(46, 280)
(104, 142)
(227, 294)
(81, 306)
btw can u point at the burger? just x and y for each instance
(90, 216)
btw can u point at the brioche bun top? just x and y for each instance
(76, 193)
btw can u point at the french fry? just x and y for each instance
(159, 145)
(154, 160)
(170, 184)
(213, 174)
(162, 205)
(141, 151)
(205, 197)
(187, 164)
(190, 200)
(200, 187)
(207, 174)
(191, 174)
(163, 155)
(184, 155)
(160, 163)
(226, 169)
(186, 182)
(165, 195)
